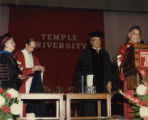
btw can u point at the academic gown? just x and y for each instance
(121, 54)
(19, 56)
(98, 64)
(13, 71)
(35, 87)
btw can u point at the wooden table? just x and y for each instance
(98, 97)
(38, 96)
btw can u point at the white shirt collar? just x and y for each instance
(98, 49)
(27, 52)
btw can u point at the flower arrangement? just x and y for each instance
(9, 104)
(139, 101)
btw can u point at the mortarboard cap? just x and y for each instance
(96, 33)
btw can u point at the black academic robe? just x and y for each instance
(13, 71)
(99, 64)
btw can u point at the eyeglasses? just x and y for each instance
(136, 34)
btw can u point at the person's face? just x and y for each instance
(10, 45)
(30, 48)
(134, 36)
(95, 42)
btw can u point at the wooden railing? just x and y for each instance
(64, 105)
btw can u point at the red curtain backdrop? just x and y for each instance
(61, 36)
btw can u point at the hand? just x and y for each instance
(42, 68)
(109, 86)
(22, 77)
(36, 68)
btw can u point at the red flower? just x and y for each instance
(1, 90)
(5, 109)
(145, 118)
(136, 100)
(128, 96)
(146, 90)
(142, 72)
(143, 75)
(142, 103)
(8, 96)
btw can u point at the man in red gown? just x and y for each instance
(133, 37)
(28, 64)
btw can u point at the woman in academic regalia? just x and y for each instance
(10, 73)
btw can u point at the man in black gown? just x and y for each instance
(94, 60)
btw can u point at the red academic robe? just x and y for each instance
(121, 54)
(19, 56)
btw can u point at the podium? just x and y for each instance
(136, 58)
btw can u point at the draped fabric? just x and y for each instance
(38, 107)
(28, 64)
